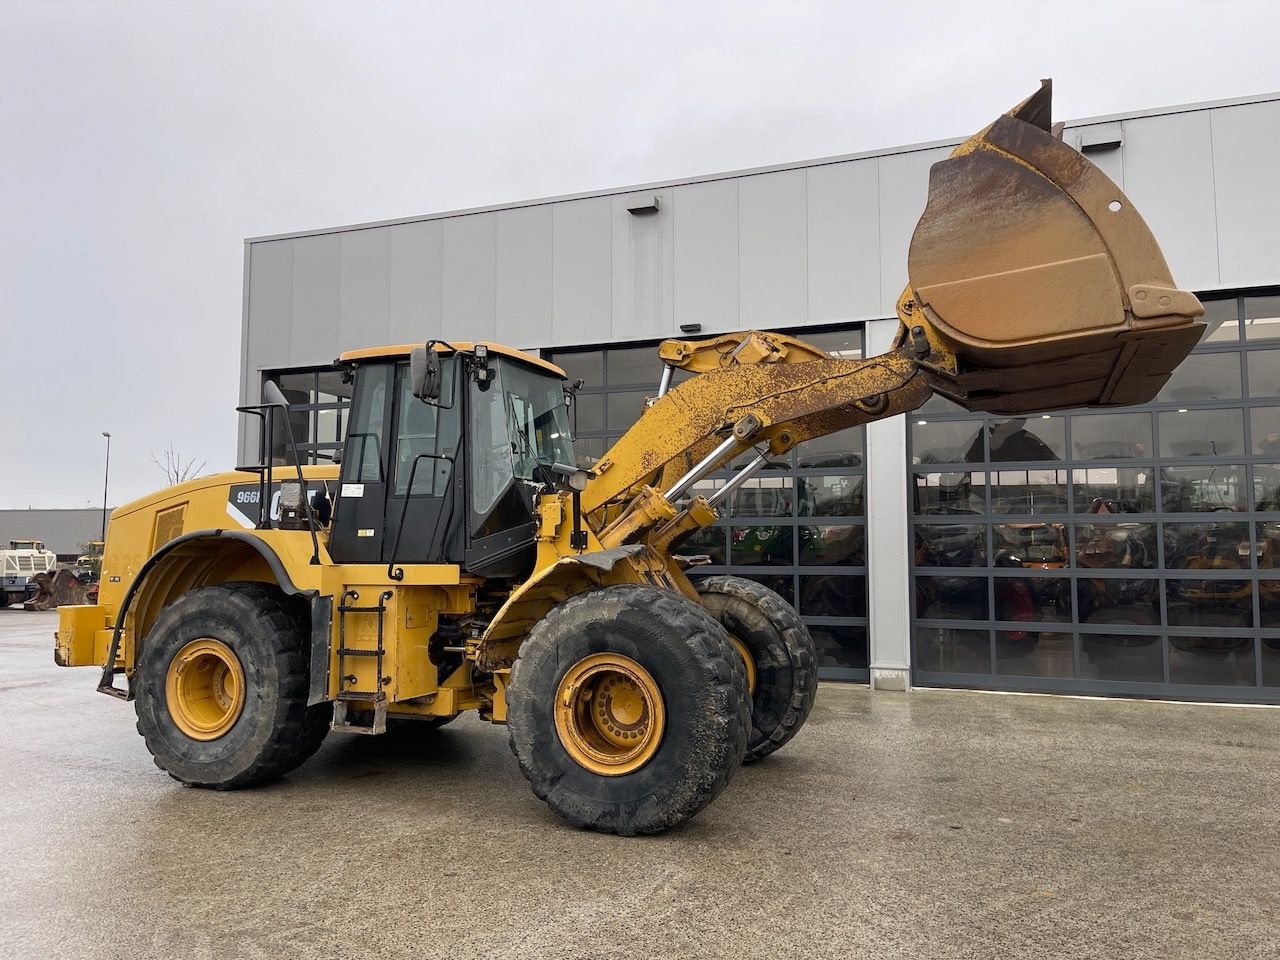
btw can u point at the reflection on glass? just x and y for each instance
(947, 441)
(1221, 318)
(834, 496)
(584, 365)
(588, 450)
(781, 584)
(1121, 656)
(1035, 492)
(1261, 318)
(588, 410)
(833, 546)
(764, 495)
(951, 598)
(1037, 545)
(952, 650)
(624, 409)
(1111, 435)
(1270, 662)
(638, 365)
(1033, 599)
(843, 448)
(1219, 488)
(1116, 546)
(1214, 661)
(1034, 653)
(1022, 438)
(1268, 549)
(1119, 600)
(1109, 490)
(845, 344)
(1266, 486)
(1203, 376)
(840, 646)
(1264, 423)
(707, 540)
(951, 492)
(951, 545)
(1201, 433)
(770, 546)
(1210, 603)
(833, 595)
(1207, 546)
(1264, 373)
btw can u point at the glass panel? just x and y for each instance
(424, 432)
(1119, 600)
(1035, 492)
(624, 409)
(296, 387)
(330, 387)
(1222, 319)
(1035, 653)
(1209, 603)
(780, 583)
(1264, 373)
(709, 540)
(1113, 546)
(1033, 599)
(951, 545)
(938, 404)
(1261, 318)
(839, 496)
(540, 431)
(1103, 490)
(588, 413)
(949, 650)
(833, 595)
(1019, 438)
(951, 598)
(840, 449)
(1208, 489)
(1111, 435)
(833, 546)
(639, 365)
(840, 646)
(328, 426)
(1266, 486)
(362, 459)
(951, 492)
(767, 494)
(770, 546)
(1264, 427)
(1201, 433)
(1270, 662)
(1204, 376)
(1120, 656)
(1212, 660)
(1268, 550)
(947, 441)
(589, 450)
(846, 344)
(1206, 546)
(1035, 545)
(587, 365)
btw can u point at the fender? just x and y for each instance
(105, 685)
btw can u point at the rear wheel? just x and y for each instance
(782, 663)
(628, 709)
(222, 687)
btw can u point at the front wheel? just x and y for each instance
(628, 709)
(222, 687)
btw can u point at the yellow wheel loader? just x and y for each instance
(456, 559)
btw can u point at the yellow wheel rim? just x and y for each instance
(204, 688)
(747, 661)
(609, 714)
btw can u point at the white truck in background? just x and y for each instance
(22, 561)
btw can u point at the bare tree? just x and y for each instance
(175, 470)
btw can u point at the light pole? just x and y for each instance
(106, 475)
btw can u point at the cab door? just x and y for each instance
(359, 515)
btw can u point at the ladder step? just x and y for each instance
(346, 609)
(349, 652)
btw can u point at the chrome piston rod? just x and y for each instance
(705, 466)
(742, 476)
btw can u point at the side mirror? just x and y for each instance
(424, 372)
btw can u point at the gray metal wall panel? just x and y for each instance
(63, 531)
(1245, 143)
(706, 255)
(270, 307)
(773, 288)
(469, 277)
(904, 188)
(1175, 197)
(415, 304)
(524, 276)
(1114, 163)
(582, 271)
(317, 291)
(643, 262)
(364, 300)
(844, 241)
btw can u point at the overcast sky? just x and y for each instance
(142, 142)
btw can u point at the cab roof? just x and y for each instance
(447, 346)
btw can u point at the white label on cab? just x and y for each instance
(353, 490)
(364, 532)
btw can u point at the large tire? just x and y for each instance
(699, 686)
(784, 655)
(275, 730)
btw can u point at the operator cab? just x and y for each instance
(449, 473)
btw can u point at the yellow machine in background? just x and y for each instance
(457, 559)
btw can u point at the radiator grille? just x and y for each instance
(168, 525)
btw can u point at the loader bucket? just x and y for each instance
(1036, 272)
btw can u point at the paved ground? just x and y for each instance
(931, 825)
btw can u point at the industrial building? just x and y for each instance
(1131, 552)
(65, 532)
